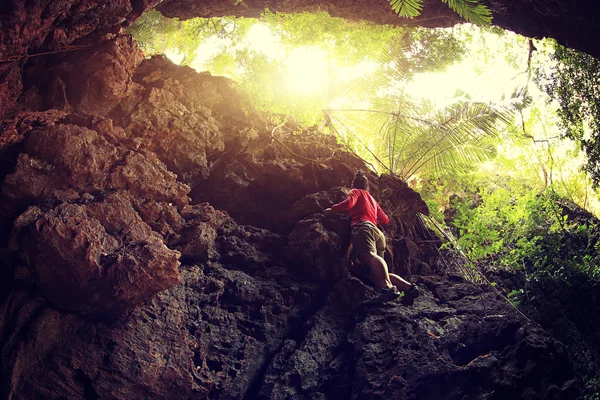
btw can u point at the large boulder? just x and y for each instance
(98, 257)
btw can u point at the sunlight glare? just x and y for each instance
(496, 80)
(365, 67)
(261, 38)
(175, 56)
(207, 50)
(307, 70)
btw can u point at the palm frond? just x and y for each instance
(407, 8)
(458, 137)
(471, 10)
(394, 61)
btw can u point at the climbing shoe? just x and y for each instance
(410, 295)
(384, 295)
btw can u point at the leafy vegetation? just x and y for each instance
(471, 10)
(575, 84)
(410, 138)
(156, 34)
(405, 136)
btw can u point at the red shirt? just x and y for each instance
(362, 207)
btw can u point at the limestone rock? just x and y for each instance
(70, 157)
(99, 257)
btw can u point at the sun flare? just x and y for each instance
(306, 70)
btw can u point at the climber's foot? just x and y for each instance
(384, 295)
(410, 295)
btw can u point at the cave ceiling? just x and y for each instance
(573, 24)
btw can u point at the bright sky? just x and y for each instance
(307, 68)
(485, 74)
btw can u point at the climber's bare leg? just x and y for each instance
(400, 283)
(379, 271)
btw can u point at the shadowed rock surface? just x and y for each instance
(158, 242)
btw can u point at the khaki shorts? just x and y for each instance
(366, 237)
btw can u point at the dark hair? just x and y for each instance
(360, 181)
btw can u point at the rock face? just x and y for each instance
(40, 26)
(160, 240)
(96, 257)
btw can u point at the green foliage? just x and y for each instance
(502, 221)
(156, 34)
(515, 295)
(413, 138)
(528, 231)
(575, 84)
(405, 137)
(470, 10)
(407, 8)
(418, 50)
(346, 42)
(592, 389)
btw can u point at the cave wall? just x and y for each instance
(158, 242)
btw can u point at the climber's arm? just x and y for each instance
(381, 217)
(346, 204)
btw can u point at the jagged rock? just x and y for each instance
(169, 114)
(398, 352)
(317, 247)
(94, 80)
(274, 178)
(63, 161)
(195, 90)
(10, 88)
(147, 177)
(163, 218)
(319, 362)
(199, 232)
(43, 26)
(486, 356)
(249, 248)
(98, 257)
(316, 203)
(210, 335)
(226, 333)
(183, 138)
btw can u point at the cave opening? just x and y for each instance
(141, 193)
